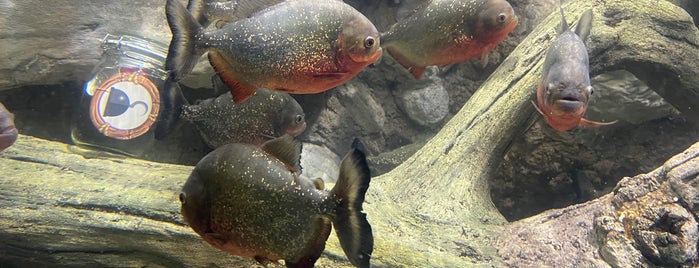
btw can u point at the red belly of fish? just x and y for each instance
(442, 57)
(239, 245)
(310, 83)
(563, 121)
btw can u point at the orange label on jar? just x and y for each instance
(125, 106)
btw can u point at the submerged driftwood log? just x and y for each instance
(59, 208)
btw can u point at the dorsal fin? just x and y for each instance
(286, 149)
(584, 24)
(564, 23)
(410, 7)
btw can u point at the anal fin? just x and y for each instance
(239, 90)
(315, 247)
(416, 71)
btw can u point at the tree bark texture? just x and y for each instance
(433, 210)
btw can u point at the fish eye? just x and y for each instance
(182, 198)
(502, 17)
(590, 89)
(369, 42)
(299, 119)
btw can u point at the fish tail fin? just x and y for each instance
(351, 225)
(584, 24)
(182, 54)
(588, 123)
(196, 8)
(171, 102)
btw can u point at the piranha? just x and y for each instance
(8, 131)
(251, 201)
(300, 47)
(266, 114)
(443, 32)
(564, 90)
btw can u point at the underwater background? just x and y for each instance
(49, 54)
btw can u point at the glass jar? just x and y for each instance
(121, 102)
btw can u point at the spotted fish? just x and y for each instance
(267, 114)
(300, 47)
(251, 201)
(443, 32)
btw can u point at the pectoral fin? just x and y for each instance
(537, 108)
(588, 123)
(330, 75)
(484, 60)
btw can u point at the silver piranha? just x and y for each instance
(564, 90)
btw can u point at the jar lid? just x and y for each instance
(134, 52)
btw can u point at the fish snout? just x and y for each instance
(507, 16)
(8, 131)
(8, 137)
(500, 15)
(566, 99)
(371, 51)
(297, 129)
(569, 105)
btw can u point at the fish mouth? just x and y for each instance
(569, 105)
(373, 58)
(297, 131)
(9, 130)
